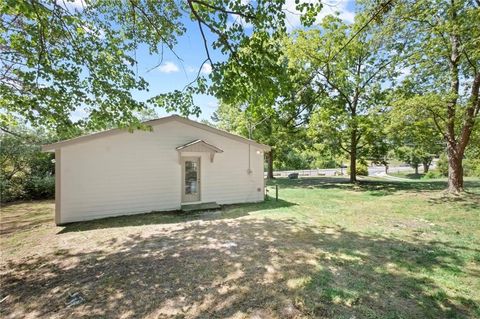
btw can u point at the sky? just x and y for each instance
(173, 73)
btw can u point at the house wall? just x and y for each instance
(138, 172)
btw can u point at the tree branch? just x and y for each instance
(216, 8)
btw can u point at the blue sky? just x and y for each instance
(171, 73)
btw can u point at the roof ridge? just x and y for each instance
(88, 137)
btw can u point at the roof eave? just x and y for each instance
(52, 147)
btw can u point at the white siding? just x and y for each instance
(130, 173)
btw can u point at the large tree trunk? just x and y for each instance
(353, 156)
(270, 165)
(456, 148)
(416, 169)
(455, 171)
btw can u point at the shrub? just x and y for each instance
(11, 190)
(433, 174)
(25, 172)
(442, 165)
(471, 167)
(361, 169)
(40, 187)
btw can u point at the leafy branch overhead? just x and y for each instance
(58, 59)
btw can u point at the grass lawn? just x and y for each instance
(408, 175)
(326, 249)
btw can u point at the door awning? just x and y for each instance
(199, 146)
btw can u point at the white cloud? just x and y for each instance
(330, 7)
(168, 67)
(206, 68)
(72, 4)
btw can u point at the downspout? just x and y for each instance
(249, 170)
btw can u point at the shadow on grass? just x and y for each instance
(470, 201)
(248, 268)
(155, 218)
(22, 216)
(410, 176)
(376, 187)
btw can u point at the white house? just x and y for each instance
(179, 162)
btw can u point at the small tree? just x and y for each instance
(347, 79)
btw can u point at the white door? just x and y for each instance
(190, 179)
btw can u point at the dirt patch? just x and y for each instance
(237, 267)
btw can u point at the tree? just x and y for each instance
(25, 171)
(261, 124)
(412, 132)
(347, 73)
(57, 59)
(440, 48)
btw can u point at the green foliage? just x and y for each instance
(25, 171)
(437, 42)
(433, 174)
(291, 159)
(60, 59)
(324, 162)
(412, 133)
(411, 156)
(361, 169)
(347, 81)
(39, 187)
(471, 167)
(442, 165)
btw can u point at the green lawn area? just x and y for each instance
(325, 249)
(408, 175)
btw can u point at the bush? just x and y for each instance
(40, 187)
(10, 190)
(27, 187)
(442, 165)
(433, 174)
(471, 167)
(361, 169)
(25, 171)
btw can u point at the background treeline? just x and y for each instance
(400, 141)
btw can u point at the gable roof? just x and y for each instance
(162, 120)
(198, 145)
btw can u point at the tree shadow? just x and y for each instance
(20, 217)
(225, 268)
(469, 201)
(171, 217)
(376, 187)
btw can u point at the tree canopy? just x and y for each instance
(58, 59)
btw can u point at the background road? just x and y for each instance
(372, 171)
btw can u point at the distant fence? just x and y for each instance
(311, 172)
(372, 170)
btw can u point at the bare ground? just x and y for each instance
(231, 264)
